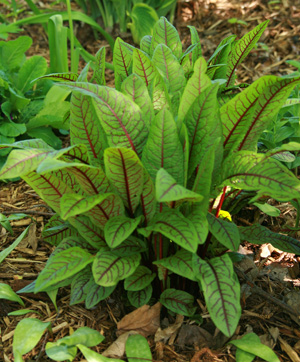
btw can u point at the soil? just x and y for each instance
(270, 279)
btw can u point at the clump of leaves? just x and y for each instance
(139, 192)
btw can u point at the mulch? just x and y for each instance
(270, 281)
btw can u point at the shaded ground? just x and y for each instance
(266, 305)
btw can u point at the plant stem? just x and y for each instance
(72, 55)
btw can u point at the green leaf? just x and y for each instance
(23, 312)
(139, 280)
(144, 18)
(167, 190)
(125, 172)
(99, 72)
(140, 297)
(221, 291)
(12, 55)
(251, 343)
(268, 209)
(12, 129)
(27, 334)
(137, 349)
(254, 172)
(119, 228)
(109, 269)
(132, 245)
(122, 61)
(4, 253)
(80, 281)
(241, 49)
(176, 227)
(165, 33)
(180, 263)
(62, 266)
(33, 68)
(145, 44)
(195, 86)
(178, 302)
(163, 148)
(258, 234)
(195, 40)
(60, 352)
(83, 335)
(96, 293)
(198, 216)
(61, 77)
(92, 356)
(225, 232)
(7, 293)
(148, 201)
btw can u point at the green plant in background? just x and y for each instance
(139, 194)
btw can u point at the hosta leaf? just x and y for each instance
(148, 201)
(221, 291)
(203, 125)
(135, 88)
(125, 172)
(165, 33)
(176, 227)
(163, 148)
(225, 232)
(119, 228)
(169, 67)
(62, 266)
(96, 293)
(109, 269)
(122, 60)
(137, 349)
(198, 217)
(99, 72)
(180, 263)
(258, 234)
(139, 280)
(241, 49)
(167, 190)
(85, 127)
(132, 245)
(121, 118)
(178, 302)
(254, 172)
(145, 44)
(140, 297)
(195, 86)
(80, 281)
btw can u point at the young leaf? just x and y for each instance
(139, 280)
(140, 297)
(96, 293)
(165, 33)
(109, 269)
(225, 232)
(119, 228)
(99, 72)
(60, 352)
(178, 302)
(62, 266)
(125, 172)
(137, 349)
(221, 291)
(84, 335)
(122, 60)
(92, 356)
(7, 293)
(241, 49)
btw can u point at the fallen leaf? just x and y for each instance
(289, 350)
(192, 335)
(165, 334)
(117, 348)
(145, 320)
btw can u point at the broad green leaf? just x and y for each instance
(12, 54)
(70, 242)
(199, 219)
(148, 201)
(60, 352)
(145, 44)
(7, 293)
(125, 172)
(85, 127)
(163, 148)
(137, 349)
(176, 227)
(109, 269)
(268, 209)
(258, 234)
(92, 356)
(195, 86)
(33, 68)
(132, 245)
(140, 297)
(282, 153)
(4, 253)
(168, 65)
(254, 172)
(80, 281)
(46, 134)
(180, 263)
(96, 293)
(120, 117)
(241, 49)
(165, 33)
(11, 129)
(178, 302)
(99, 72)
(225, 232)
(27, 334)
(251, 343)
(83, 335)
(221, 291)
(119, 228)
(29, 144)
(139, 280)
(242, 356)
(62, 266)
(144, 18)
(122, 61)
(135, 89)
(167, 190)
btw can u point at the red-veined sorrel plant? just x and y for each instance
(134, 193)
